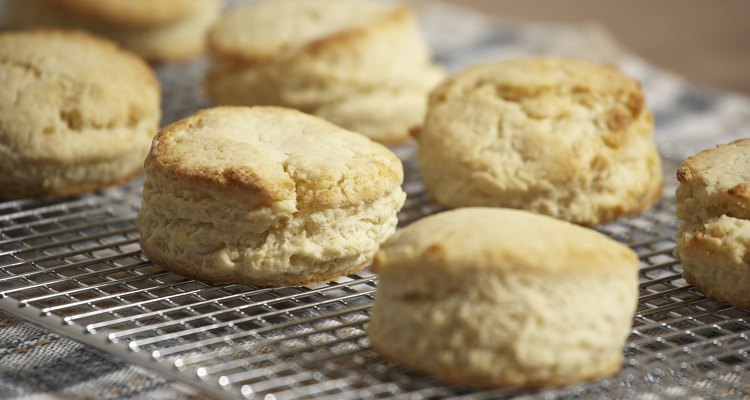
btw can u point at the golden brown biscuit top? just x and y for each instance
(546, 87)
(262, 30)
(724, 169)
(130, 13)
(500, 239)
(275, 155)
(57, 85)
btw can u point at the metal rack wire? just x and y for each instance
(74, 266)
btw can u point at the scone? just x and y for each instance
(266, 196)
(561, 137)
(77, 113)
(160, 30)
(713, 203)
(499, 297)
(361, 65)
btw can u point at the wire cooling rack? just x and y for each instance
(74, 266)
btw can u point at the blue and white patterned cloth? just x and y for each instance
(37, 364)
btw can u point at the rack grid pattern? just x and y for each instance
(75, 266)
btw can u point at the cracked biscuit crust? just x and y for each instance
(76, 113)
(473, 296)
(715, 182)
(266, 196)
(560, 137)
(713, 203)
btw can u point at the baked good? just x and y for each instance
(159, 30)
(562, 137)
(713, 204)
(500, 297)
(359, 64)
(266, 196)
(66, 126)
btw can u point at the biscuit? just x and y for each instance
(361, 65)
(560, 137)
(159, 30)
(66, 126)
(499, 297)
(266, 196)
(713, 203)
